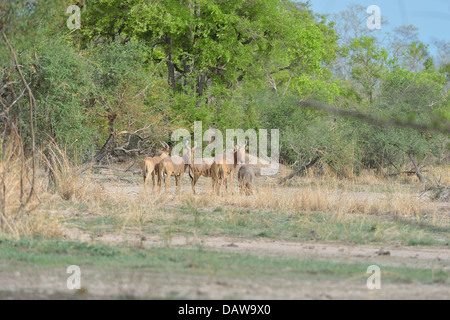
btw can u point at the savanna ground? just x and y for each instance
(312, 238)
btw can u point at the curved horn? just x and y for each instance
(165, 145)
(195, 144)
(187, 145)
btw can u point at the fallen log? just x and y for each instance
(303, 167)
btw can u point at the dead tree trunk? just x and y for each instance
(107, 147)
(303, 167)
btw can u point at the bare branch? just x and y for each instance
(303, 167)
(32, 103)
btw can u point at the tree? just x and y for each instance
(201, 42)
(127, 106)
(401, 39)
(416, 56)
(417, 97)
(214, 49)
(443, 52)
(443, 59)
(351, 24)
(57, 76)
(368, 63)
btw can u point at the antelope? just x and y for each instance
(208, 168)
(150, 166)
(225, 169)
(246, 175)
(175, 166)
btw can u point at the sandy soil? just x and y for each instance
(405, 256)
(145, 284)
(129, 284)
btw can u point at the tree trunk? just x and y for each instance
(416, 167)
(303, 167)
(185, 72)
(201, 85)
(107, 147)
(170, 66)
(3, 202)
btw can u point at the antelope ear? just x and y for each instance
(159, 150)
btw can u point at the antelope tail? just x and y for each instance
(192, 178)
(160, 174)
(220, 173)
(144, 170)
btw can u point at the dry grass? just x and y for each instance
(440, 174)
(19, 218)
(109, 196)
(367, 194)
(64, 177)
(321, 198)
(340, 198)
(125, 214)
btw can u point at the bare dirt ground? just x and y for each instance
(129, 284)
(391, 255)
(140, 284)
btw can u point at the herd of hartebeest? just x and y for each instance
(220, 168)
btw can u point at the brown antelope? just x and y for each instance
(227, 163)
(150, 166)
(208, 168)
(175, 166)
(246, 175)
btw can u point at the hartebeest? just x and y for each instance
(173, 166)
(150, 166)
(227, 163)
(208, 168)
(246, 175)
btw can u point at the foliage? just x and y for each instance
(368, 62)
(416, 97)
(137, 69)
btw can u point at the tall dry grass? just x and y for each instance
(367, 195)
(64, 176)
(116, 209)
(130, 215)
(57, 179)
(16, 213)
(10, 188)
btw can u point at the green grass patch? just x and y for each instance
(104, 258)
(356, 229)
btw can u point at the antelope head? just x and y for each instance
(239, 151)
(165, 151)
